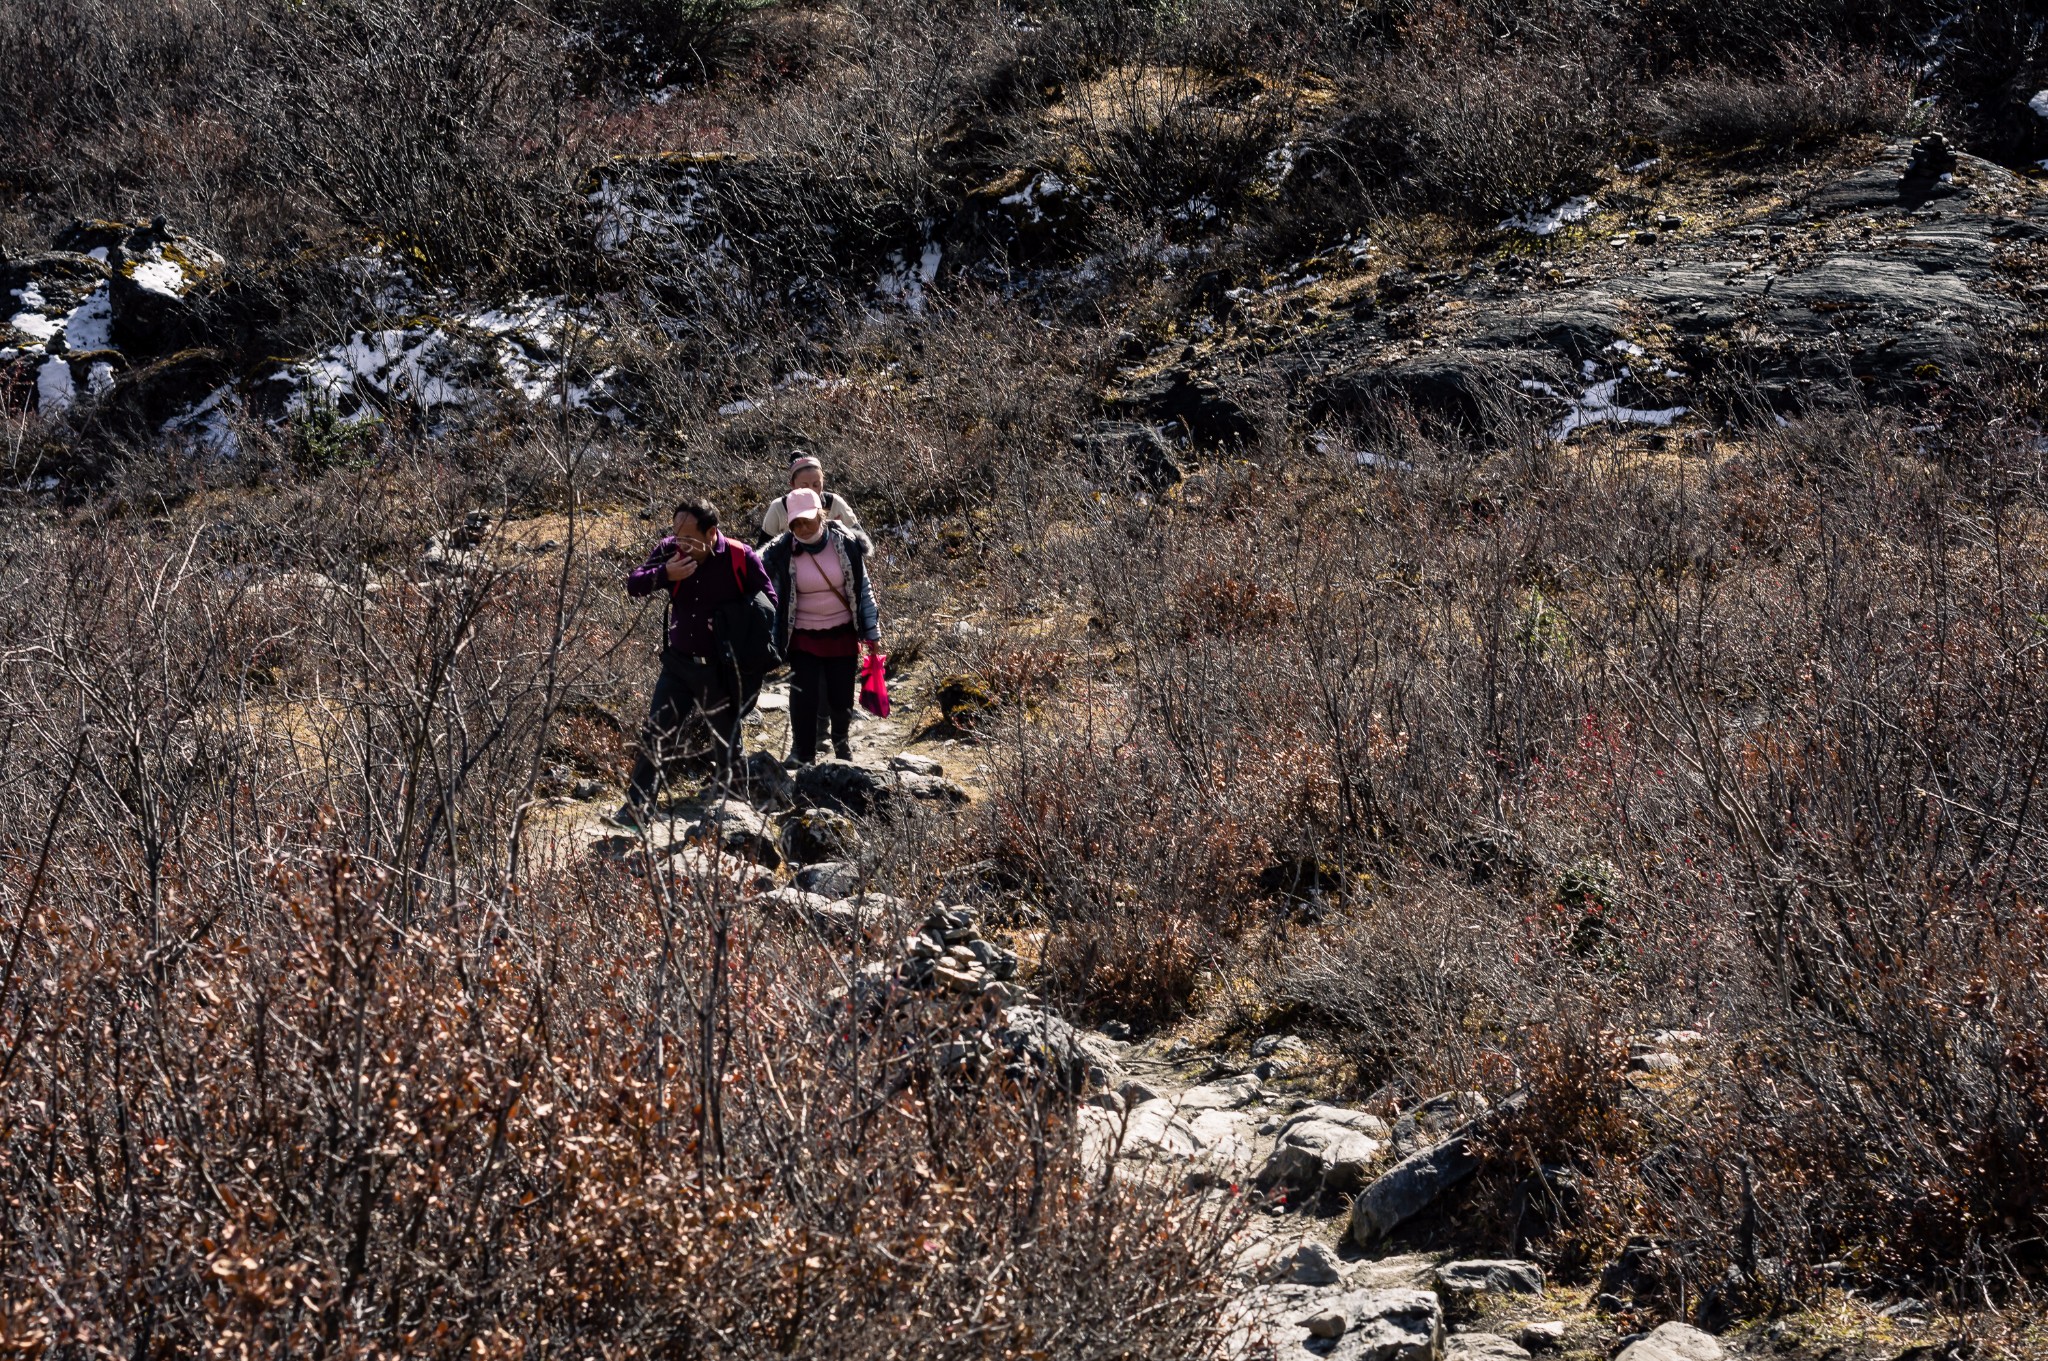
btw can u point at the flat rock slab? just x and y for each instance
(1376, 1325)
(1815, 312)
(1411, 1187)
(1494, 1277)
(1227, 1095)
(833, 879)
(1674, 1342)
(1483, 1347)
(1322, 1155)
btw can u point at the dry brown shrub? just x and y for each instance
(1819, 94)
(309, 1041)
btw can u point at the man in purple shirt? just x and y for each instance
(695, 711)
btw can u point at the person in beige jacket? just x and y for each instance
(806, 473)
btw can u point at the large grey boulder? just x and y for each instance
(832, 878)
(843, 785)
(1310, 1263)
(1484, 1277)
(792, 902)
(1043, 1043)
(764, 783)
(1463, 393)
(812, 836)
(1361, 1122)
(738, 829)
(931, 789)
(1209, 419)
(1381, 1325)
(1411, 1187)
(710, 872)
(1135, 453)
(1674, 1342)
(1415, 1183)
(1322, 1154)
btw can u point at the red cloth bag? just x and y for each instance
(874, 684)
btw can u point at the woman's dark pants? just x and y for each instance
(820, 685)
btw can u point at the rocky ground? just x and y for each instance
(1889, 273)
(1347, 1218)
(1884, 278)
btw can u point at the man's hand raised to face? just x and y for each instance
(680, 565)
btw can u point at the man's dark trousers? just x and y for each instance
(691, 714)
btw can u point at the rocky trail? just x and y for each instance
(1318, 1191)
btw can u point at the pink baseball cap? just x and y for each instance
(801, 502)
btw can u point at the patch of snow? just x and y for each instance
(210, 424)
(34, 325)
(739, 408)
(1366, 458)
(526, 342)
(1596, 406)
(1627, 347)
(31, 295)
(98, 253)
(1042, 186)
(99, 379)
(1550, 221)
(904, 283)
(1289, 285)
(1640, 166)
(91, 324)
(160, 276)
(2039, 103)
(1280, 164)
(1200, 208)
(54, 389)
(623, 211)
(398, 364)
(1331, 446)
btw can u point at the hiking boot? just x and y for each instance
(842, 751)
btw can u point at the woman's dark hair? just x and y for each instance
(700, 510)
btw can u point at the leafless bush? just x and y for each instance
(1820, 95)
(435, 129)
(114, 107)
(308, 1039)
(1454, 119)
(1572, 746)
(648, 44)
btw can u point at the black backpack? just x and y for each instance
(745, 629)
